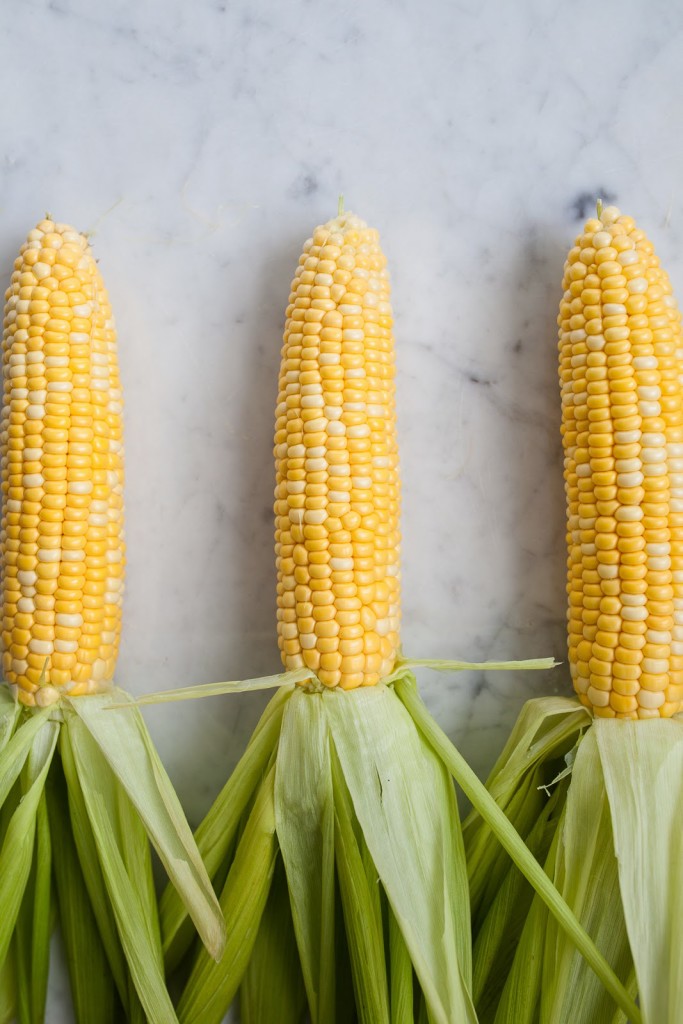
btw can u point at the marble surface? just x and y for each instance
(201, 143)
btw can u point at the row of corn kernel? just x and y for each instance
(62, 470)
(622, 415)
(337, 492)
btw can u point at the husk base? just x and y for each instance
(82, 793)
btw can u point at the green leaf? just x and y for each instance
(404, 802)
(9, 716)
(642, 764)
(400, 975)
(137, 859)
(32, 932)
(282, 679)
(16, 856)
(16, 750)
(499, 935)
(586, 876)
(510, 839)
(216, 834)
(362, 912)
(304, 813)
(138, 936)
(211, 986)
(123, 739)
(7, 990)
(521, 997)
(440, 665)
(89, 859)
(273, 986)
(92, 983)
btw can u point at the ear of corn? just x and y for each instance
(61, 538)
(337, 491)
(622, 428)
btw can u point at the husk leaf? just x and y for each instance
(93, 991)
(273, 987)
(304, 814)
(17, 849)
(483, 802)
(9, 716)
(32, 930)
(216, 834)
(16, 750)
(400, 975)
(586, 876)
(123, 739)
(211, 986)
(404, 803)
(642, 764)
(282, 679)
(127, 894)
(361, 907)
(88, 856)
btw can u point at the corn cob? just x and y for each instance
(61, 538)
(337, 491)
(622, 429)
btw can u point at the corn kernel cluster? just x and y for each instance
(337, 491)
(61, 536)
(621, 365)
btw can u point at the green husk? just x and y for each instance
(93, 991)
(400, 790)
(7, 990)
(504, 831)
(123, 740)
(9, 716)
(32, 931)
(586, 876)
(17, 848)
(642, 763)
(440, 665)
(400, 975)
(128, 895)
(93, 876)
(273, 987)
(217, 832)
(282, 679)
(362, 911)
(16, 750)
(304, 815)
(212, 986)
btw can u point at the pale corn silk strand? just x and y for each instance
(337, 481)
(621, 351)
(62, 545)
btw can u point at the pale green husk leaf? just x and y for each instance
(359, 890)
(304, 814)
(400, 975)
(216, 834)
(9, 715)
(286, 679)
(123, 739)
(586, 876)
(7, 991)
(448, 665)
(88, 856)
(211, 986)
(92, 983)
(17, 849)
(505, 832)
(16, 751)
(33, 927)
(642, 764)
(400, 793)
(127, 894)
(273, 986)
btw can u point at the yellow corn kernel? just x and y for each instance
(336, 457)
(62, 469)
(622, 433)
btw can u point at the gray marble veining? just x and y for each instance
(201, 143)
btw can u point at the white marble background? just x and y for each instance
(202, 142)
